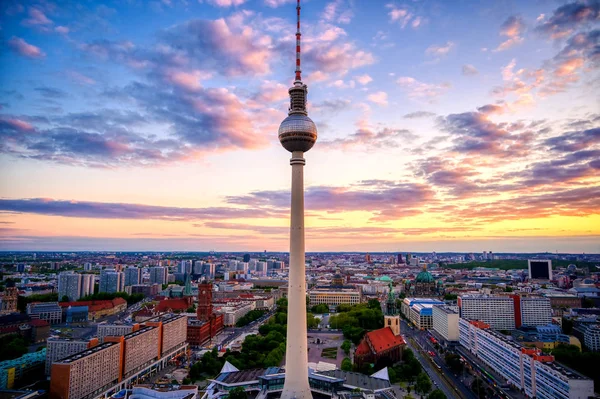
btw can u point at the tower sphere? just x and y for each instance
(297, 132)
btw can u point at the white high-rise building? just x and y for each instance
(133, 276)
(87, 266)
(111, 281)
(497, 311)
(297, 134)
(536, 311)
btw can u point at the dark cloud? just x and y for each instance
(574, 141)
(106, 210)
(51, 92)
(385, 199)
(570, 16)
(474, 133)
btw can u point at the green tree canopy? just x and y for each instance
(347, 364)
(436, 394)
(238, 393)
(423, 384)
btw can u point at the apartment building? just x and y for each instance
(86, 374)
(534, 311)
(527, 369)
(497, 311)
(140, 349)
(107, 330)
(60, 348)
(118, 362)
(445, 322)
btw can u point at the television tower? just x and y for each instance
(297, 134)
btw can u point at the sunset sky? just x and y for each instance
(443, 125)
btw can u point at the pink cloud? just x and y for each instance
(379, 98)
(18, 124)
(25, 49)
(36, 18)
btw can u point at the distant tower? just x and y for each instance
(368, 258)
(297, 134)
(391, 318)
(205, 310)
(187, 290)
(8, 302)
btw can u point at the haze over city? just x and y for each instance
(443, 126)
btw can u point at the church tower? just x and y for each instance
(391, 318)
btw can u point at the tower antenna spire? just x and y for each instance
(298, 38)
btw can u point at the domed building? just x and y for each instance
(424, 285)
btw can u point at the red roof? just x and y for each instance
(171, 305)
(94, 306)
(379, 340)
(38, 323)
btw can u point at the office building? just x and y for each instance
(49, 311)
(539, 269)
(334, 296)
(133, 276)
(146, 290)
(235, 311)
(87, 266)
(111, 281)
(419, 311)
(527, 369)
(445, 322)
(159, 275)
(59, 348)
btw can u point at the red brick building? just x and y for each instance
(379, 345)
(207, 324)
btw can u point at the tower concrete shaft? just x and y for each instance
(296, 353)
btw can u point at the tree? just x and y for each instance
(347, 364)
(238, 393)
(374, 304)
(65, 298)
(587, 303)
(346, 345)
(436, 394)
(567, 325)
(450, 297)
(311, 321)
(454, 363)
(423, 384)
(508, 289)
(320, 308)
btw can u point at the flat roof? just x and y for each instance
(358, 380)
(85, 353)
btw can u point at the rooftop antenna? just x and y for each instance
(298, 38)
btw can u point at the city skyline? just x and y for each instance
(127, 127)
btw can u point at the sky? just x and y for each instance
(449, 125)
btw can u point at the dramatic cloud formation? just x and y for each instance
(101, 210)
(152, 123)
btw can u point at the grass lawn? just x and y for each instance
(330, 353)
